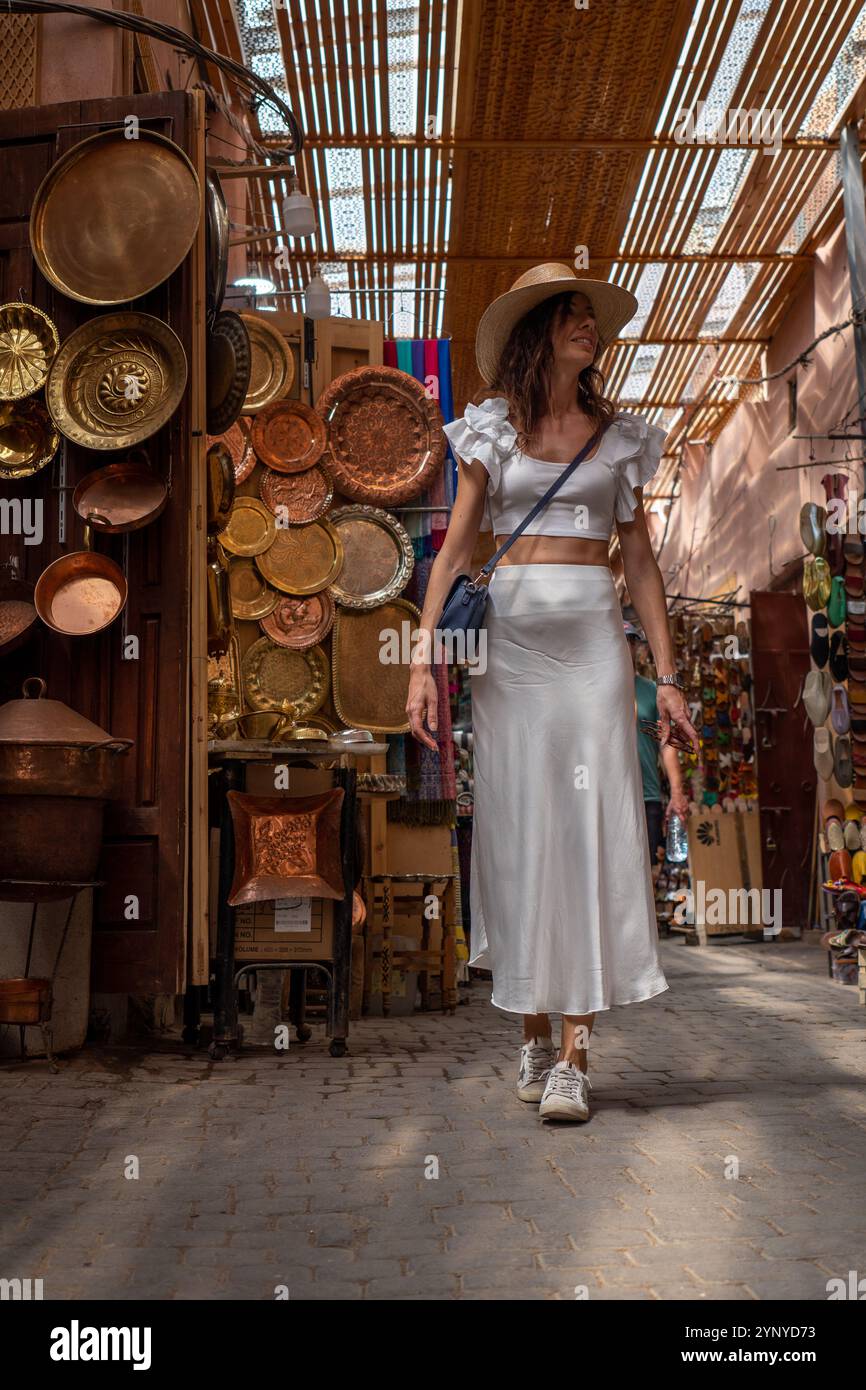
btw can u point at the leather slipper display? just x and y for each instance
(835, 485)
(838, 661)
(840, 717)
(853, 584)
(822, 754)
(835, 835)
(853, 547)
(820, 646)
(812, 522)
(816, 582)
(817, 691)
(843, 766)
(840, 864)
(836, 606)
(851, 836)
(832, 809)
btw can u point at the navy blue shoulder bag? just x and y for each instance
(467, 598)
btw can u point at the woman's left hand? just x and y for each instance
(673, 710)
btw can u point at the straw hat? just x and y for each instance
(613, 308)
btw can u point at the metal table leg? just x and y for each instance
(338, 1003)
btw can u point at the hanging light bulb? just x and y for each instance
(299, 215)
(317, 298)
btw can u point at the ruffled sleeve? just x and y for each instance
(636, 463)
(484, 433)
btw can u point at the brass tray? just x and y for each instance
(378, 558)
(229, 363)
(303, 559)
(286, 846)
(370, 693)
(114, 217)
(251, 528)
(281, 678)
(116, 380)
(385, 438)
(300, 622)
(28, 439)
(289, 436)
(297, 498)
(28, 345)
(273, 366)
(237, 441)
(251, 597)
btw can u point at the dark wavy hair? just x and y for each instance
(523, 373)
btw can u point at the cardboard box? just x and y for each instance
(293, 929)
(724, 859)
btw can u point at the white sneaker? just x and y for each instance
(565, 1095)
(536, 1059)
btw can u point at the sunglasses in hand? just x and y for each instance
(675, 738)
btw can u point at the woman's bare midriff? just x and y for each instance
(554, 550)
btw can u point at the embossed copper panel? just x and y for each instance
(303, 559)
(252, 598)
(378, 558)
(297, 497)
(273, 367)
(281, 678)
(114, 217)
(251, 528)
(116, 380)
(28, 344)
(300, 622)
(370, 651)
(289, 436)
(385, 437)
(286, 847)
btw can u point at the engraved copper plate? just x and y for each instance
(114, 217)
(297, 498)
(378, 558)
(273, 366)
(300, 622)
(237, 441)
(28, 439)
(116, 380)
(251, 597)
(385, 437)
(282, 678)
(286, 846)
(303, 559)
(370, 651)
(28, 345)
(251, 528)
(289, 436)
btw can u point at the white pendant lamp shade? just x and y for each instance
(317, 298)
(299, 216)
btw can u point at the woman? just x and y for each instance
(561, 896)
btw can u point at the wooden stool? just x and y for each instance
(385, 902)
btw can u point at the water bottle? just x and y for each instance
(677, 847)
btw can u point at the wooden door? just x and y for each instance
(145, 854)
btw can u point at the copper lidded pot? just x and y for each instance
(57, 770)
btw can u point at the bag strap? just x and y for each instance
(542, 502)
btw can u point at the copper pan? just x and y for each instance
(122, 497)
(81, 593)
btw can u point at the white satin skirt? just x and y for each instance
(560, 889)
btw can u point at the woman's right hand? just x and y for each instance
(423, 700)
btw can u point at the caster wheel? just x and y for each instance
(303, 1034)
(338, 1047)
(217, 1052)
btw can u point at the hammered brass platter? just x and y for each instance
(289, 436)
(116, 380)
(28, 439)
(273, 366)
(114, 217)
(251, 528)
(285, 679)
(28, 345)
(297, 498)
(300, 622)
(303, 559)
(370, 651)
(251, 597)
(378, 556)
(385, 438)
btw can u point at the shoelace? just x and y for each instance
(536, 1057)
(566, 1081)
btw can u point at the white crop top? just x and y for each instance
(600, 489)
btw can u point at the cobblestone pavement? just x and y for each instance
(308, 1172)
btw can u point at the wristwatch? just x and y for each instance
(670, 680)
